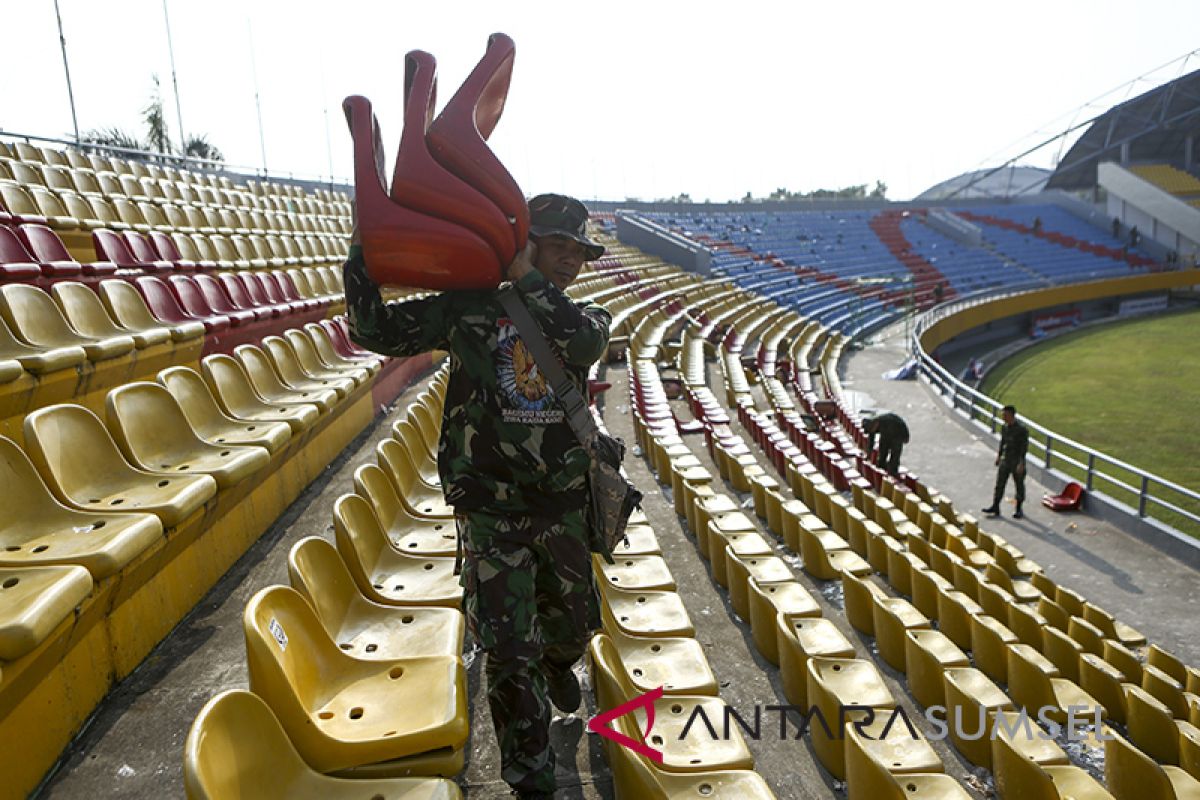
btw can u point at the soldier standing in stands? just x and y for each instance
(514, 472)
(893, 435)
(1014, 444)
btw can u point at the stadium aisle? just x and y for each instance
(1114, 569)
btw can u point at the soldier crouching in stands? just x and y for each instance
(893, 435)
(514, 472)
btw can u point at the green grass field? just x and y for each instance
(1129, 389)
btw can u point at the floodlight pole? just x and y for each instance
(174, 79)
(262, 139)
(62, 41)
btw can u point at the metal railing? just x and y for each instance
(1143, 494)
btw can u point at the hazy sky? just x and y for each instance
(614, 99)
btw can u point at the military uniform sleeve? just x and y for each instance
(580, 332)
(1020, 443)
(393, 329)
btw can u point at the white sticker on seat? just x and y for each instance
(277, 631)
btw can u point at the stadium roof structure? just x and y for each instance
(992, 183)
(1154, 126)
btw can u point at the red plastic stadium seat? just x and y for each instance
(111, 247)
(458, 137)
(404, 247)
(16, 264)
(241, 299)
(290, 294)
(258, 294)
(166, 250)
(1070, 499)
(47, 248)
(143, 251)
(419, 182)
(195, 302)
(165, 306)
(219, 301)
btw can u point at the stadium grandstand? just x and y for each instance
(227, 569)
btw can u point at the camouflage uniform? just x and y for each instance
(516, 476)
(1014, 445)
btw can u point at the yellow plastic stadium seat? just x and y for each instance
(330, 357)
(236, 748)
(84, 311)
(955, 612)
(868, 777)
(675, 663)
(635, 573)
(360, 627)
(927, 656)
(211, 423)
(645, 613)
(893, 617)
(639, 541)
(1166, 689)
(36, 529)
(742, 544)
(154, 434)
(1104, 682)
(827, 555)
(1034, 682)
(1123, 659)
(36, 360)
(1111, 628)
(230, 384)
(34, 600)
(899, 753)
(384, 574)
(1130, 774)
(744, 569)
(927, 588)
(1027, 624)
(1168, 663)
(1151, 726)
(408, 533)
(1089, 637)
(698, 751)
(283, 358)
(1027, 767)
(310, 360)
(267, 383)
(834, 683)
(769, 599)
(34, 317)
(397, 463)
(635, 777)
(972, 700)
(1062, 651)
(423, 459)
(81, 463)
(990, 639)
(127, 307)
(341, 712)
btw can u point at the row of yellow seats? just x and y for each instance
(96, 496)
(785, 619)
(96, 162)
(943, 672)
(71, 211)
(352, 694)
(1168, 178)
(159, 191)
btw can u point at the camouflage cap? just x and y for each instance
(559, 215)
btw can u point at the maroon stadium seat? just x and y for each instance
(16, 264)
(142, 250)
(167, 251)
(195, 302)
(111, 247)
(242, 299)
(47, 248)
(219, 300)
(165, 306)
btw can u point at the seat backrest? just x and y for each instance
(613, 687)
(303, 350)
(165, 247)
(393, 458)
(83, 310)
(236, 290)
(59, 178)
(26, 174)
(260, 370)
(283, 358)
(322, 343)
(359, 535)
(317, 571)
(126, 306)
(111, 247)
(33, 316)
(204, 248)
(270, 287)
(30, 505)
(160, 300)
(286, 285)
(254, 289)
(42, 243)
(12, 250)
(225, 251)
(126, 211)
(214, 293)
(1130, 774)
(186, 246)
(193, 396)
(85, 181)
(237, 748)
(72, 449)
(189, 295)
(372, 483)
(230, 384)
(148, 425)
(139, 246)
(153, 215)
(285, 643)
(78, 207)
(17, 200)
